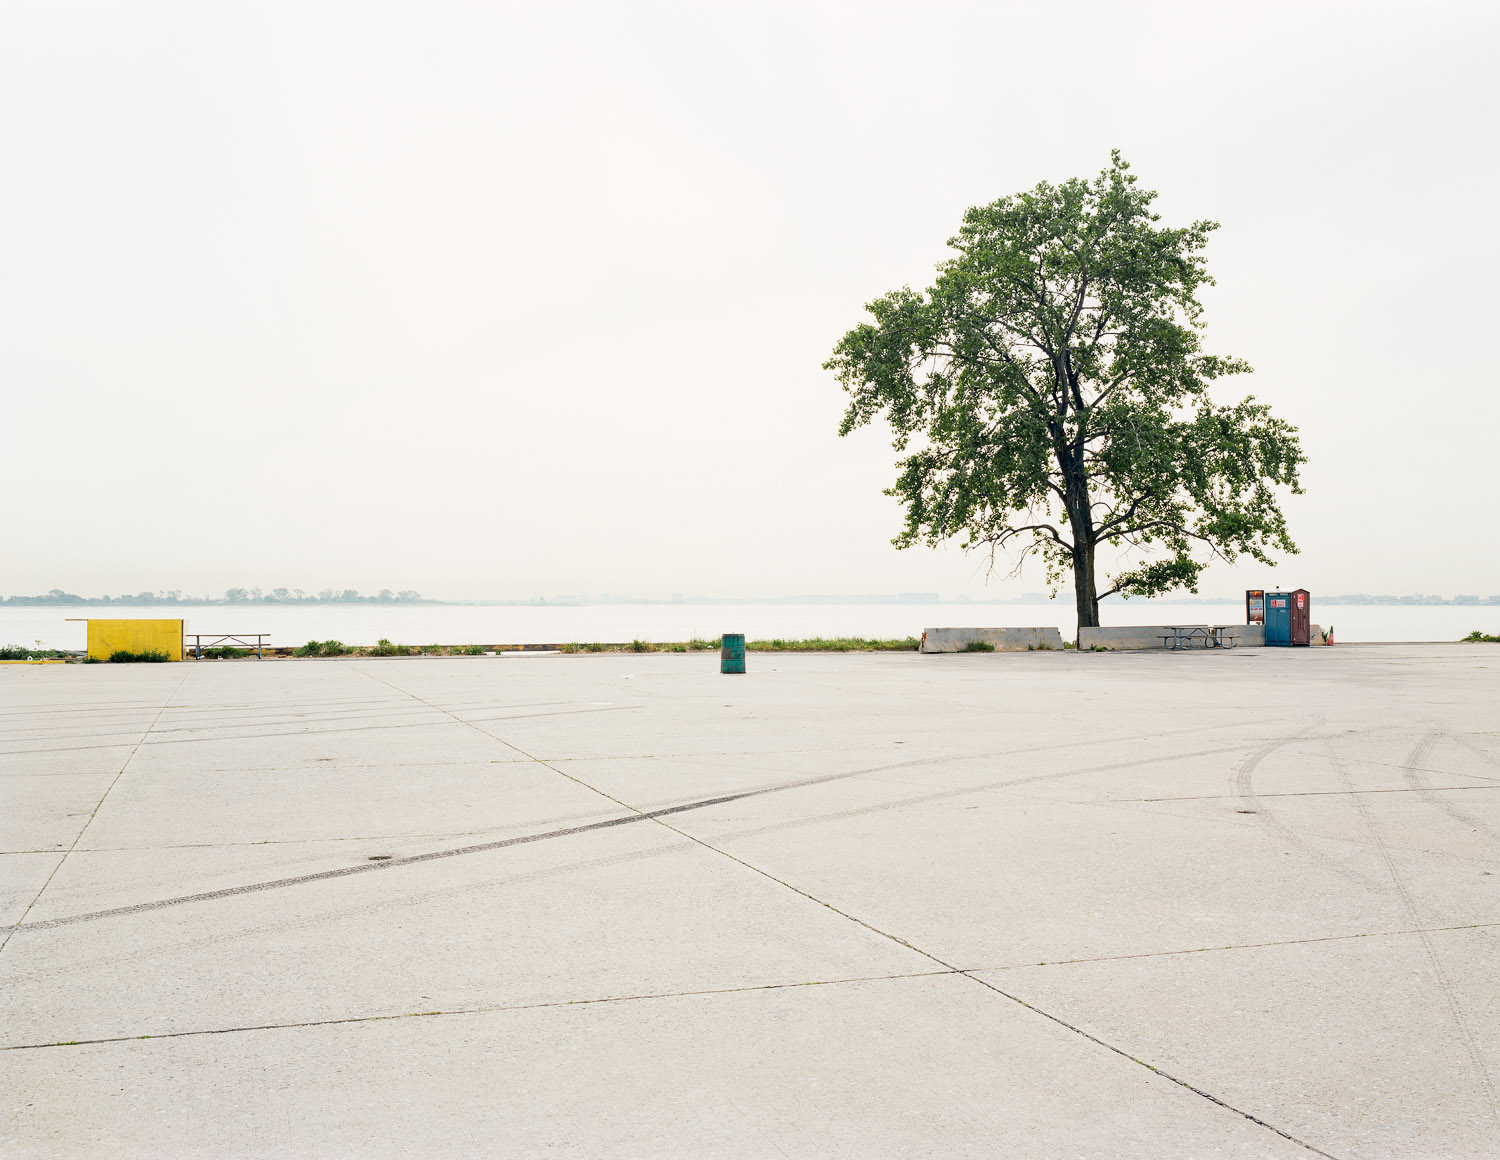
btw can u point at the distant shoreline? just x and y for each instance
(1345, 600)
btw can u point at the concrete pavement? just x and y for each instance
(1042, 904)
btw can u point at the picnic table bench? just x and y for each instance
(255, 640)
(1181, 636)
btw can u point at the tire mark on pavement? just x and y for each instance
(370, 867)
(1244, 783)
(962, 790)
(1414, 777)
(608, 823)
(1445, 987)
(172, 951)
(766, 874)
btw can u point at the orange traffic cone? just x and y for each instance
(1329, 638)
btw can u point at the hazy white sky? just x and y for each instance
(511, 299)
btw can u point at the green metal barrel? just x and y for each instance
(732, 653)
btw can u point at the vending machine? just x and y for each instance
(1255, 606)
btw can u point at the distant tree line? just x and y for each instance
(232, 596)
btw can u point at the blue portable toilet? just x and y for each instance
(1279, 618)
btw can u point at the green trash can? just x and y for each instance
(732, 653)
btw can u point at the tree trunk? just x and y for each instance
(1081, 523)
(1083, 586)
(1071, 460)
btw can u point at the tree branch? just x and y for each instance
(1104, 529)
(1006, 535)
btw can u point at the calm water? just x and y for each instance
(364, 624)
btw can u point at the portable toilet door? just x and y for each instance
(1301, 619)
(1278, 618)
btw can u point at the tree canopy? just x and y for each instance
(1049, 394)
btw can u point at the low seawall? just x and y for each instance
(949, 640)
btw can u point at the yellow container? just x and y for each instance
(137, 636)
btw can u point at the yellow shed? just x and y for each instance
(137, 636)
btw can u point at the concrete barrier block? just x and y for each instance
(949, 640)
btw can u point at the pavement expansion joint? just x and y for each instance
(220, 737)
(948, 967)
(1254, 1119)
(489, 1009)
(1209, 797)
(1288, 942)
(78, 837)
(1248, 742)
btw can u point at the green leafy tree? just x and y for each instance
(1049, 396)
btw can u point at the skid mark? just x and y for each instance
(1445, 987)
(1468, 742)
(569, 831)
(347, 871)
(1414, 771)
(963, 790)
(381, 908)
(1244, 784)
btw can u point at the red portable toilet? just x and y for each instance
(1301, 609)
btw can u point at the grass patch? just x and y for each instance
(16, 652)
(1482, 637)
(323, 648)
(384, 648)
(835, 644)
(150, 656)
(702, 644)
(978, 646)
(225, 653)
